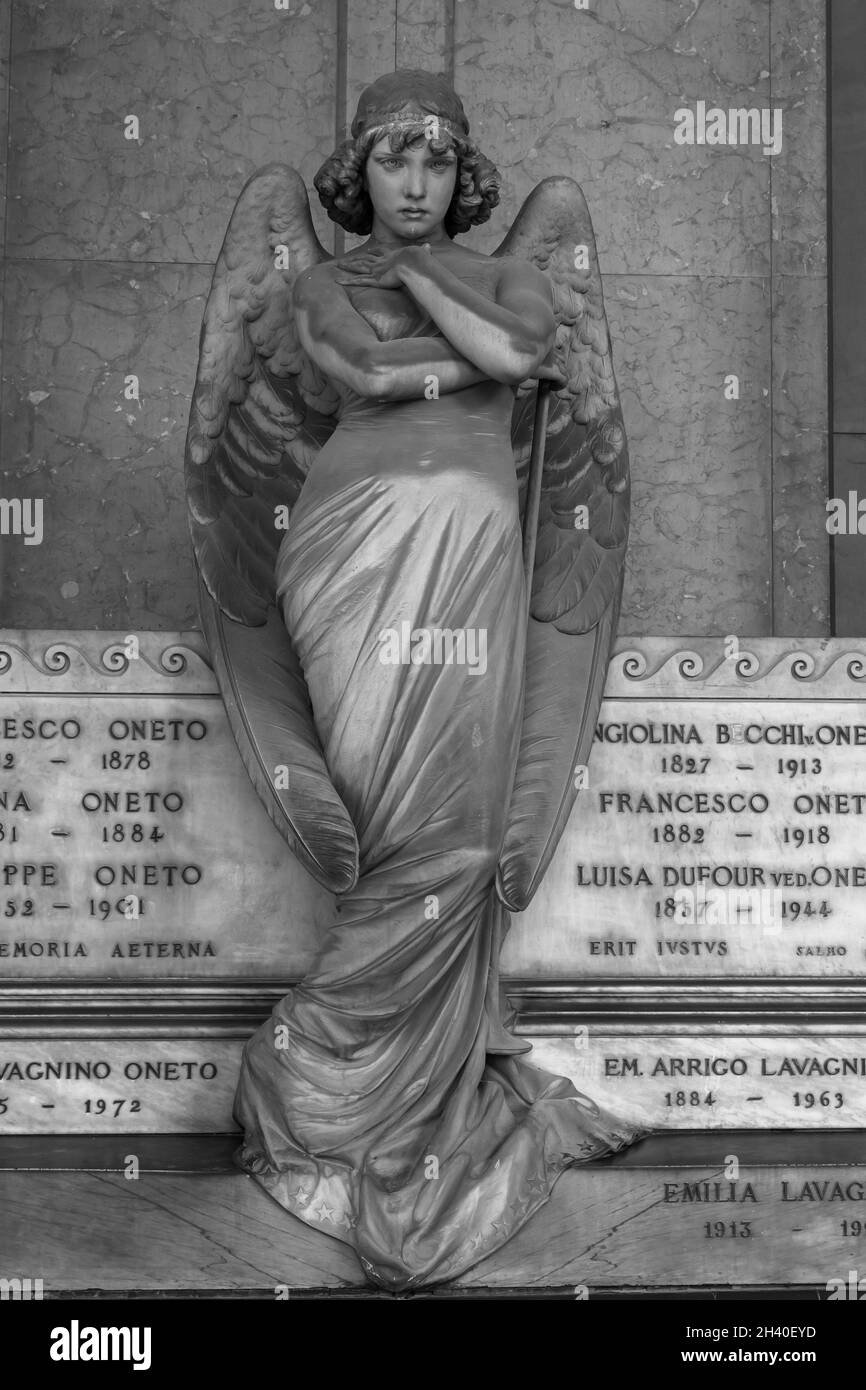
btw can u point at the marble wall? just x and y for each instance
(848, 178)
(5, 25)
(714, 260)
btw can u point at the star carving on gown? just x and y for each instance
(384, 1102)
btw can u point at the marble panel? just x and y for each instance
(370, 49)
(594, 93)
(219, 88)
(849, 547)
(703, 1080)
(5, 38)
(423, 34)
(689, 1080)
(718, 833)
(641, 1223)
(699, 555)
(109, 1086)
(801, 545)
(717, 836)
(120, 779)
(116, 548)
(848, 143)
(165, 1231)
(680, 1226)
(798, 66)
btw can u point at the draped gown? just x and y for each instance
(384, 1102)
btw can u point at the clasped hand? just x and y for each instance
(380, 268)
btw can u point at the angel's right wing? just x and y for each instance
(260, 413)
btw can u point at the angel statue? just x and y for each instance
(363, 506)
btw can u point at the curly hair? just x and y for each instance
(342, 187)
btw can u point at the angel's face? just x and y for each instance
(410, 189)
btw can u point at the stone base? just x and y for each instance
(660, 1220)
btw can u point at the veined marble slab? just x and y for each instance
(676, 1226)
(719, 832)
(648, 1222)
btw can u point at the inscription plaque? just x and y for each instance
(694, 956)
(774, 1224)
(112, 1085)
(720, 831)
(131, 843)
(719, 1080)
(186, 1085)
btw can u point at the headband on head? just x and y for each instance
(407, 97)
(433, 127)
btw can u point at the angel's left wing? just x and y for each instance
(582, 535)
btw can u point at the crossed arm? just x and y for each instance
(506, 339)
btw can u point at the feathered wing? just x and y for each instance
(582, 535)
(260, 413)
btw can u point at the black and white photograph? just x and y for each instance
(432, 671)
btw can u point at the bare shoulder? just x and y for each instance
(519, 275)
(474, 267)
(316, 285)
(501, 278)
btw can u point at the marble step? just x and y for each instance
(666, 1215)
